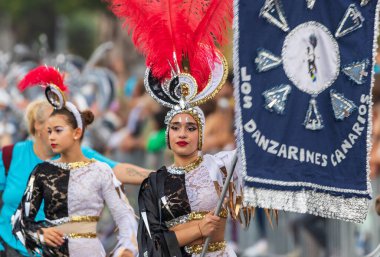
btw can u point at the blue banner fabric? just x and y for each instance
(303, 78)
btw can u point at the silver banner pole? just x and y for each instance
(221, 200)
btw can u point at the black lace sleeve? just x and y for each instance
(154, 238)
(24, 226)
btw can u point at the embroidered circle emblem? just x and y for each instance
(311, 57)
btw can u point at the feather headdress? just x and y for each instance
(177, 36)
(53, 81)
(43, 76)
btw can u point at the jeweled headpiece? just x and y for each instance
(53, 82)
(178, 39)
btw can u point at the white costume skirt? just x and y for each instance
(81, 247)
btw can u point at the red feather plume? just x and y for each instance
(42, 76)
(190, 28)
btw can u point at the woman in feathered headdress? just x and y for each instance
(185, 69)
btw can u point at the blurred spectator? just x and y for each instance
(377, 64)
(316, 227)
(156, 141)
(261, 245)
(129, 142)
(375, 151)
(219, 132)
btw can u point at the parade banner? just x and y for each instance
(303, 79)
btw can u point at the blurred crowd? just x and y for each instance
(129, 124)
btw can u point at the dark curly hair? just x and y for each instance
(87, 118)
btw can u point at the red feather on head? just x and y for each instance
(188, 28)
(42, 76)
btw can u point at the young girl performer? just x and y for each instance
(74, 189)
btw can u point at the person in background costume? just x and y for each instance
(74, 189)
(185, 69)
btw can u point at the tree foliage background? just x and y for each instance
(29, 19)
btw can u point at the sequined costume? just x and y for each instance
(173, 196)
(12, 187)
(184, 69)
(74, 195)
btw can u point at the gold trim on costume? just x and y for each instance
(71, 165)
(84, 218)
(74, 219)
(218, 88)
(81, 235)
(202, 214)
(192, 216)
(76, 165)
(212, 247)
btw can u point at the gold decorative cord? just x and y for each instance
(212, 247)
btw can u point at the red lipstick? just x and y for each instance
(53, 145)
(182, 143)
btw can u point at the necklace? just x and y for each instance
(72, 165)
(183, 169)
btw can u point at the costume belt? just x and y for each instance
(192, 216)
(77, 226)
(212, 247)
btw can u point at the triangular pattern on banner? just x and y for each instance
(357, 71)
(352, 20)
(274, 13)
(313, 119)
(310, 4)
(364, 2)
(342, 106)
(275, 98)
(265, 60)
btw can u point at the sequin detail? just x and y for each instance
(212, 247)
(310, 4)
(74, 219)
(313, 119)
(364, 2)
(265, 60)
(352, 20)
(275, 98)
(357, 71)
(71, 165)
(342, 106)
(192, 216)
(273, 12)
(81, 235)
(316, 203)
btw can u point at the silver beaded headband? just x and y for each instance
(195, 112)
(57, 99)
(71, 107)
